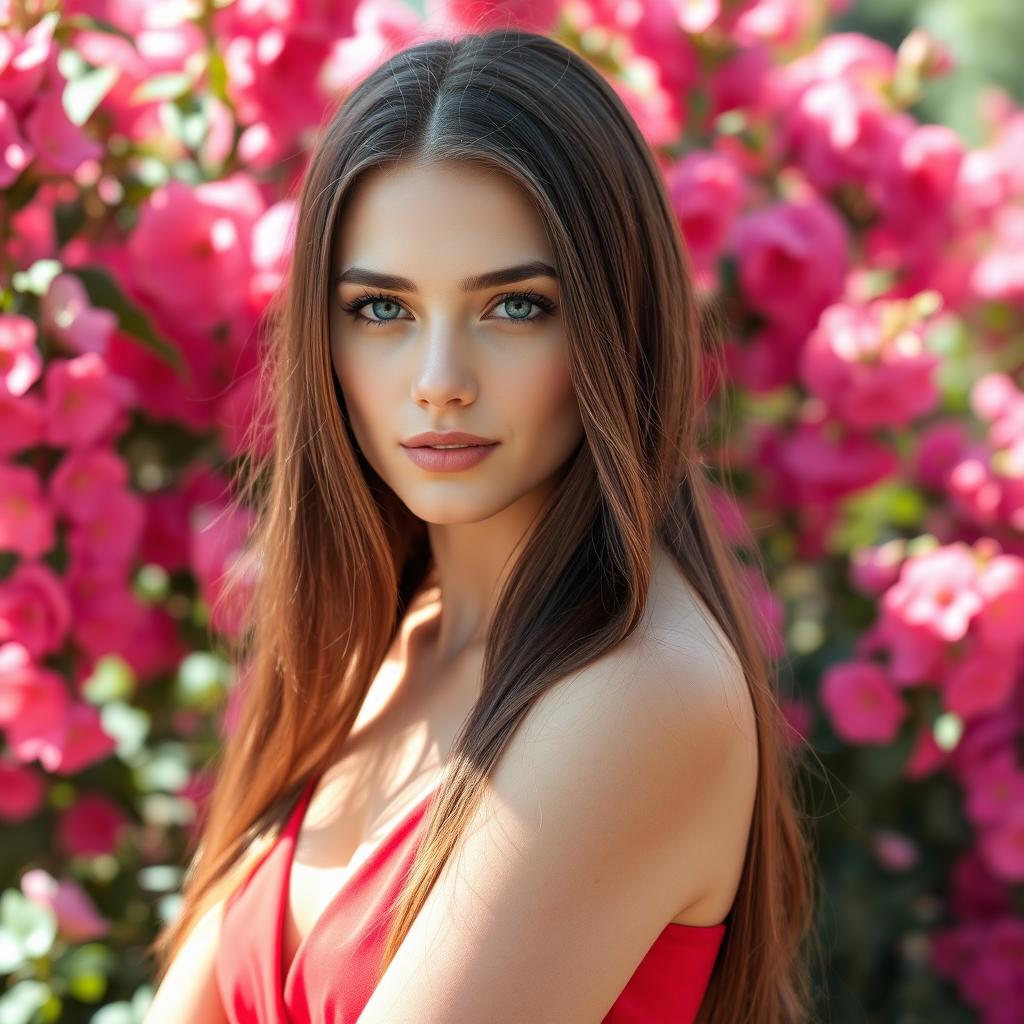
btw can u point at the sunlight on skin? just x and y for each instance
(442, 358)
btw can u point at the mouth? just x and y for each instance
(443, 440)
(446, 458)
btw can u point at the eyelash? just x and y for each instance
(546, 306)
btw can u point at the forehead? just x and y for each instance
(441, 221)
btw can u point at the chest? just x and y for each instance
(391, 761)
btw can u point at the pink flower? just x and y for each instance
(67, 313)
(273, 236)
(1002, 845)
(77, 917)
(82, 480)
(894, 851)
(20, 361)
(999, 273)
(993, 791)
(105, 611)
(196, 242)
(91, 826)
(870, 370)
(34, 703)
(34, 609)
(738, 81)
(939, 448)
(875, 569)
(25, 59)
(60, 145)
(999, 623)
(767, 360)
(862, 703)
(707, 191)
(21, 791)
(21, 422)
(974, 891)
(85, 402)
(15, 153)
(26, 519)
(84, 743)
(840, 133)
(165, 538)
(926, 756)
(792, 260)
(982, 681)
(832, 461)
(919, 179)
(109, 538)
(975, 491)
(992, 980)
(938, 591)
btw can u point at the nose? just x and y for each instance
(443, 373)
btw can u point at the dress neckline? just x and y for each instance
(673, 930)
(291, 833)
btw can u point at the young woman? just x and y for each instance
(509, 750)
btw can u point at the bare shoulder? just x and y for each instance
(620, 803)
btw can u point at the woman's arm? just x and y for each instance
(189, 988)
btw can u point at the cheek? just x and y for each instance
(537, 397)
(363, 387)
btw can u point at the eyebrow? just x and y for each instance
(475, 282)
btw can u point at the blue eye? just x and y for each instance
(544, 304)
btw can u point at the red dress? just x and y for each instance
(330, 979)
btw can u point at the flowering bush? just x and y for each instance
(869, 268)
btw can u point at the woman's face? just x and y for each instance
(438, 352)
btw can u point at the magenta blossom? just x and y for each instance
(77, 917)
(870, 366)
(20, 362)
(91, 826)
(34, 609)
(26, 518)
(195, 241)
(21, 791)
(82, 480)
(862, 702)
(792, 260)
(937, 590)
(85, 402)
(982, 681)
(34, 703)
(707, 192)
(67, 314)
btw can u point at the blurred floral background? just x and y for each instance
(849, 179)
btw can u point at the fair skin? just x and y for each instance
(448, 359)
(623, 802)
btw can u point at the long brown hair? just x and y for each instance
(339, 556)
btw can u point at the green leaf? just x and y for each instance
(33, 927)
(88, 969)
(84, 94)
(37, 278)
(165, 768)
(112, 678)
(167, 86)
(114, 1013)
(22, 1001)
(104, 291)
(202, 680)
(129, 726)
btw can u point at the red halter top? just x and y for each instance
(330, 979)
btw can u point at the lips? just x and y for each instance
(447, 460)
